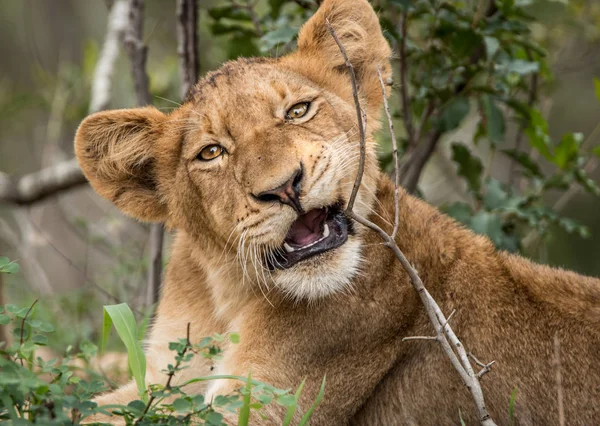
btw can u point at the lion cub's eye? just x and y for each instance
(210, 152)
(297, 111)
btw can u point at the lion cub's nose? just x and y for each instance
(288, 193)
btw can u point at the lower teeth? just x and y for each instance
(290, 249)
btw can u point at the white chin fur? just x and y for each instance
(331, 273)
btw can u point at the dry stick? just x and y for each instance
(394, 152)
(444, 333)
(359, 118)
(559, 382)
(138, 54)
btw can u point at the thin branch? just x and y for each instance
(394, 153)
(444, 333)
(170, 375)
(37, 186)
(101, 85)
(22, 337)
(359, 118)
(250, 8)
(434, 338)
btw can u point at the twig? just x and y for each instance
(394, 152)
(485, 368)
(359, 119)
(21, 338)
(434, 338)
(444, 333)
(406, 112)
(170, 375)
(559, 382)
(187, 44)
(101, 85)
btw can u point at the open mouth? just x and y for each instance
(312, 233)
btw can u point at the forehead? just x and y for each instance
(247, 89)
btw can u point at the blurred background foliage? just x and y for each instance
(510, 94)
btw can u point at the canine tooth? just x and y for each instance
(325, 231)
(287, 247)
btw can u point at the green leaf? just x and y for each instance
(282, 35)
(286, 400)
(522, 67)
(234, 338)
(122, 318)
(495, 119)
(453, 114)
(244, 416)
(39, 339)
(4, 319)
(597, 88)
(461, 212)
(7, 266)
(525, 160)
(491, 46)
(489, 224)
(313, 407)
(537, 133)
(182, 405)
(567, 150)
(596, 151)
(469, 167)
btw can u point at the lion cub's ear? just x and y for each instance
(116, 152)
(357, 27)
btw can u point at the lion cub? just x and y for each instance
(253, 172)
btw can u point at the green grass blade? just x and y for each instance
(124, 322)
(292, 408)
(309, 413)
(511, 407)
(244, 417)
(106, 327)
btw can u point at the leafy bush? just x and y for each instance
(34, 391)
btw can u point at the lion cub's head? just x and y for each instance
(259, 163)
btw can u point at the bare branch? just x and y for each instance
(101, 85)
(444, 333)
(36, 186)
(359, 118)
(67, 175)
(394, 153)
(187, 44)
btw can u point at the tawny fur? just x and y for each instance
(343, 313)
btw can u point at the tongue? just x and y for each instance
(307, 228)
